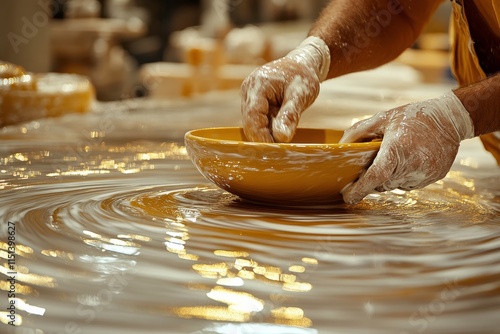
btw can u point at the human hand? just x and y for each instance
(420, 142)
(275, 95)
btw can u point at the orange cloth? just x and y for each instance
(465, 63)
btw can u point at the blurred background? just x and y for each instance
(174, 49)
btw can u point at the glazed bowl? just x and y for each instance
(311, 170)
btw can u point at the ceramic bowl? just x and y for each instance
(311, 170)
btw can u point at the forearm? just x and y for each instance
(364, 34)
(482, 101)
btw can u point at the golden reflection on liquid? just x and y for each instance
(140, 162)
(225, 253)
(454, 195)
(297, 269)
(134, 237)
(234, 272)
(20, 288)
(230, 281)
(21, 157)
(86, 172)
(240, 302)
(190, 257)
(291, 316)
(168, 150)
(116, 245)
(211, 270)
(20, 250)
(23, 275)
(215, 313)
(242, 305)
(309, 260)
(461, 180)
(24, 173)
(241, 263)
(58, 254)
(297, 286)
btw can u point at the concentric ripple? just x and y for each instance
(115, 246)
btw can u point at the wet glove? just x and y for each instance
(275, 95)
(420, 142)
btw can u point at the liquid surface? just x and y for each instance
(117, 232)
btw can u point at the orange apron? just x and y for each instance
(465, 62)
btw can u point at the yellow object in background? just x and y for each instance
(8, 70)
(25, 96)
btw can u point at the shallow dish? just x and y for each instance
(311, 170)
(25, 97)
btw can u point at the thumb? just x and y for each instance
(377, 174)
(365, 130)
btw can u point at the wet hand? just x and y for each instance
(420, 143)
(275, 95)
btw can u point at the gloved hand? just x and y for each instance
(420, 142)
(275, 95)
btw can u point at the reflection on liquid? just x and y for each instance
(117, 232)
(240, 306)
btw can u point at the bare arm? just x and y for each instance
(363, 34)
(482, 101)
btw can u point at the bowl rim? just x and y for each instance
(375, 144)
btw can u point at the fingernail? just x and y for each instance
(283, 133)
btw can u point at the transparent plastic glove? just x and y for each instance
(275, 95)
(420, 142)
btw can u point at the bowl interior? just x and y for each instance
(235, 134)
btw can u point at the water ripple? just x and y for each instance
(126, 253)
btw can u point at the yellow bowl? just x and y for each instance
(311, 170)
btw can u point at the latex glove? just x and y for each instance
(420, 142)
(275, 95)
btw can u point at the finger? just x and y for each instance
(375, 176)
(286, 121)
(367, 129)
(255, 121)
(298, 96)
